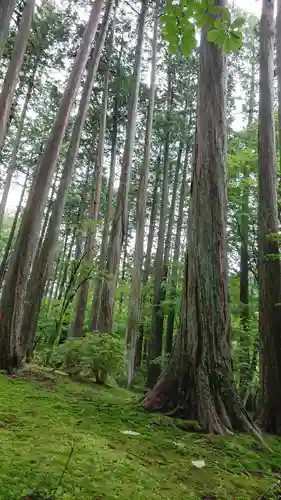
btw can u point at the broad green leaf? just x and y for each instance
(226, 15)
(219, 25)
(188, 39)
(228, 45)
(216, 36)
(215, 9)
(238, 22)
(213, 35)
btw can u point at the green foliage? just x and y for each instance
(181, 19)
(98, 355)
(68, 356)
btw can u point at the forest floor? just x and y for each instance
(64, 438)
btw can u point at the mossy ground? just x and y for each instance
(40, 421)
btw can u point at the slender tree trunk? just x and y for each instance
(80, 217)
(198, 378)
(96, 304)
(135, 295)
(12, 76)
(245, 340)
(63, 269)
(120, 218)
(13, 162)
(269, 257)
(48, 210)
(13, 296)
(44, 257)
(278, 64)
(175, 272)
(156, 337)
(6, 12)
(172, 214)
(147, 264)
(4, 263)
(77, 328)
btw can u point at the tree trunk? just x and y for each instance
(4, 263)
(135, 294)
(269, 258)
(12, 75)
(198, 379)
(6, 12)
(13, 162)
(13, 296)
(45, 254)
(96, 304)
(120, 218)
(77, 327)
(156, 337)
(278, 64)
(244, 254)
(147, 264)
(174, 274)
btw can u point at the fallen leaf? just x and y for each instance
(178, 444)
(199, 464)
(130, 433)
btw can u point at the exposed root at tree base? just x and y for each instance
(205, 397)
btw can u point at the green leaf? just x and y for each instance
(238, 22)
(216, 36)
(219, 25)
(236, 40)
(213, 35)
(226, 15)
(188, 41)
(228, 45)
(215, 9)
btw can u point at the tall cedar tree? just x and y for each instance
(198, 378)
(12, 75)
(269, 256)
(120, 218)
(12, 349)
(135, 296)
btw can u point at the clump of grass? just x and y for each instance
(40, 424)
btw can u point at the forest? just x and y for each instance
(140, 272)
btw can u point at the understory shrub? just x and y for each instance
(96, 354)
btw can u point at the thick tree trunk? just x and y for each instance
(198, 378)
(6, 12)
(135, 295)
(13, 296)
(120, 218)
(44, 257)
(156, 336)
(96, 304)
(12, 75)
(269, 256)
(174, 274)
